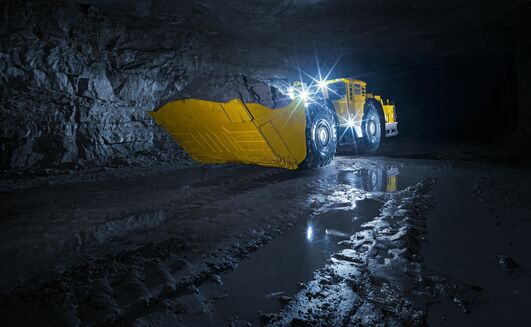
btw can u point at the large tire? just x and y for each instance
(321, 136)
(372, 128)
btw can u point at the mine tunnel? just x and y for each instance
(265, 163)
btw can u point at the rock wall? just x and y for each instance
(76, 84)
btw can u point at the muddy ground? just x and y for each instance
(362, 242)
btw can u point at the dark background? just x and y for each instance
(470, 98)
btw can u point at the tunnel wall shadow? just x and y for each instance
(454, 99)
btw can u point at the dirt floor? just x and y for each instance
(362, 242)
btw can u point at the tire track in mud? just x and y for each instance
(219, 261)
(227, 260)
(155, 279)
(316, 182)
(119, 287)
(150, 215)
(240, 185)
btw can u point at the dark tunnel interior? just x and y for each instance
(458, 98)
(183, 163)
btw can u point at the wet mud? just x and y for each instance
(355, 243)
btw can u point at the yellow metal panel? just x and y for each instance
(357, 102)
(215, 132)
(236, 113)
(289, 123)
(389, 111)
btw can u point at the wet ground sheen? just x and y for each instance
(276, 269)
(363, 241)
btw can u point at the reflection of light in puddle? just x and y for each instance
(309, 233)
(289, 259)
(293, 257)
(334, 232)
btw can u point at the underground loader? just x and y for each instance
(332, 115)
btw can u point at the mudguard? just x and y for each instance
(237, 132)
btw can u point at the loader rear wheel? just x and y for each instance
(371, 127)
(321, 136)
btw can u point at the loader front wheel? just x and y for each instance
(321, 136)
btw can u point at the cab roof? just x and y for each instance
(336, 80)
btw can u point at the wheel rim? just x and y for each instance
(321, 136)
(373, 129)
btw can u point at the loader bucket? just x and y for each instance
(217, 132)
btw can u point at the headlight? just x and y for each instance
(300, 92)
(304, 95)
(291, 93)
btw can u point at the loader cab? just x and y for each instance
(336, 91)
(358, 95)
(348, 97)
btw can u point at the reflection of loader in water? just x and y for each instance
(376, 179)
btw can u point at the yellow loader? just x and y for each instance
(333, 114)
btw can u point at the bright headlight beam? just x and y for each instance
(304, 95)
(316, 81)
(291, 93)
(350, 123)
(309, 233)
(322, 84)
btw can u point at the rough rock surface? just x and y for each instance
(225, 88)
(76, 84)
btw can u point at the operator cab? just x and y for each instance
(335, 91)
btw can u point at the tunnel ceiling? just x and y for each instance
(410, 29)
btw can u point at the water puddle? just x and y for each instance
(276, 269)
(379, 179)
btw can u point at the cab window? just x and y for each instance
(336, 91)
(357, 89)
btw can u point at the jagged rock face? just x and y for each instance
(77, 77)
(76, 85)
(226, 88)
